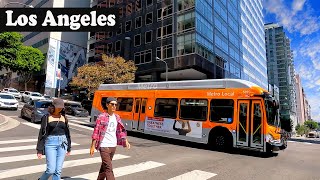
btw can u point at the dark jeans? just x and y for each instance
(106, 171)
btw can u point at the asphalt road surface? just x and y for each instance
(152, 158)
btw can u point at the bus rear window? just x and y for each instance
(194, 109)
(166, 107)
(125, 104)
(221, 110)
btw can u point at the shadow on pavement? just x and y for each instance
(164, 141)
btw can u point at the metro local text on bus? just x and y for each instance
(220, 93)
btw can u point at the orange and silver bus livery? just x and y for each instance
(222, 112)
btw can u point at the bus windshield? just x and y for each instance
(272, 112)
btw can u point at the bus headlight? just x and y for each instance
(269, 138)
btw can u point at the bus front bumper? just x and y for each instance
(278, 145)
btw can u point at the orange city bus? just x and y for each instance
(224, 113)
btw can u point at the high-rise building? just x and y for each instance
(300, 100)
(63, 50)
(281, 69)
(197, 39)
(254, 49)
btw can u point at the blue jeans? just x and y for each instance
(55, 151)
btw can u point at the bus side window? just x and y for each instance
(166, 107)
(125, 104)
(221, 110)
(194, 109)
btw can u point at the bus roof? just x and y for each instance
(189, 84)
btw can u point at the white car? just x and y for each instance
(25, 96)
(8, 101)
(36, 96)
(13, 92)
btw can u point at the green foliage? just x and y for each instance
(10, 45)
(16, 57)
(302, 129)
(311, 124)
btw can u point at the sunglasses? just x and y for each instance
(113, 104)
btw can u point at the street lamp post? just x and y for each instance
(25, 5)
(158, 59)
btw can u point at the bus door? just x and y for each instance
(243, 123)
(256, 121)
(139, 113)
(250, 124)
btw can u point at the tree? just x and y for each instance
(29, 61)
(10, 45)
(110, 70)
(303, 130)
(311, 124)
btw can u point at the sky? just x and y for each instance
(301, 21)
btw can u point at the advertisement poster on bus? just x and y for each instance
(172, 126)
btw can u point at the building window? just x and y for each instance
(137, 40)
(167, 51)
(118, 45)
(109, 48)
(112, 3)
(138, 22)
(121, 12)
(221, 110)
(138, 5)
(194, 109)
(143, 57)
(186, 44)
(167, 30)
(128, 26)
(166, 107)
(148, 37)
(185, 4)
(119, 29)
(149, 18)
(149, 2)
(167, 11)
(129, 9)
(186, 22)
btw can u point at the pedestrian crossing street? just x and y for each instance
(18, 160)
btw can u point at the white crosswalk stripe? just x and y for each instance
(77, 161)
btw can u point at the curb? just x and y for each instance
(5, 121)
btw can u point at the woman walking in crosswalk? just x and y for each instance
(54, 140)
(107, 134)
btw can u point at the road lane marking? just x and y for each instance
(80, 126)
(20, 148)
(125, 170)
(40, 168)
(34, 156)
(195, 174)
(18, 141)
(37, 126)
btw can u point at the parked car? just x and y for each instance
(12, 91)
(25, 96)
(47, 97)
(34, 110)
(8, 101)
(313, 134)
(75, 109)
(36, 96)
